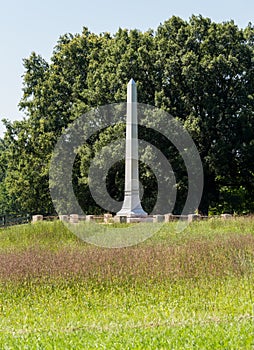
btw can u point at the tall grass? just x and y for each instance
(189, 290)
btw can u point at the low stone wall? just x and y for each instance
(109, 218)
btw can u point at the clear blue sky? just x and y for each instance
(29, 25)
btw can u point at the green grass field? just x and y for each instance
(188, 290)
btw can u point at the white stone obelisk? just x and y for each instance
(131, 205)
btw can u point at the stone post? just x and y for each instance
(74, 218)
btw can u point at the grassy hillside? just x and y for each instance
(189, 290)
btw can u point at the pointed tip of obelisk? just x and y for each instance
(132, 82)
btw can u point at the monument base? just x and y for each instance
(132, 219)
(132, 214)
(132, 211)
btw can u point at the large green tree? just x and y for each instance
(206, 77)
(199, 71)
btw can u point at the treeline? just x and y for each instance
(199, 71)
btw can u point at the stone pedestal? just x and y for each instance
(193, 217)
(120, 219)
(107, 218)
(169, 217)
(36, 218)
(64, 218)
(226, 216)
(158, 218)
(74, 218)
(89, 218)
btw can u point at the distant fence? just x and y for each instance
(18, 219)
(14, 219)
(109, 218)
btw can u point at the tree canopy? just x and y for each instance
(199, 71)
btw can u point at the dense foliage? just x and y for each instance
(199, 71)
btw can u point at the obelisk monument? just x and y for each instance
(131, 204)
